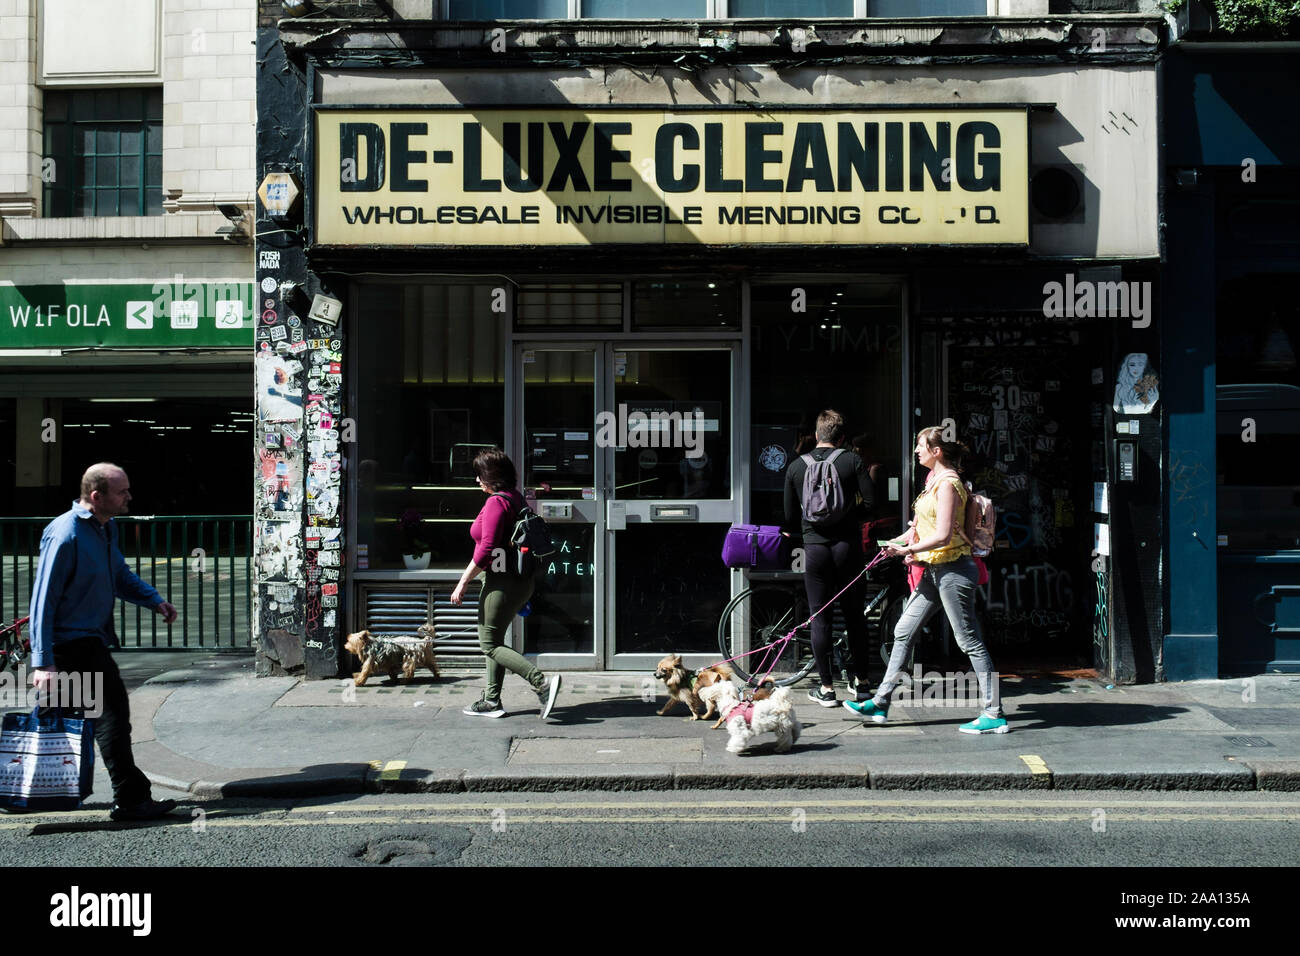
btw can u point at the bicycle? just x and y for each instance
(14, 648)
(762, 614)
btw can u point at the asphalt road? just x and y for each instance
(790, 827)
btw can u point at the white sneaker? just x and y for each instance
(547, 694)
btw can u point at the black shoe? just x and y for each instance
(824, 697)
(147, 810)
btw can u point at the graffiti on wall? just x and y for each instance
(1013, 392)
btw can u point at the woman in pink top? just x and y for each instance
(504, 593)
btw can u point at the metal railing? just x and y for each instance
(202, 564)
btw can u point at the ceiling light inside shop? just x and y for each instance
(121, 400)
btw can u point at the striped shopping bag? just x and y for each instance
(47, 760)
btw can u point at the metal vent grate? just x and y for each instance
(558, 304)
(399, 612)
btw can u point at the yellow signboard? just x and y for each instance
(505, 177)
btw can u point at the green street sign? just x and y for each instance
(165, 314)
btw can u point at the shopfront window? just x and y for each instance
(431, 395)
(824, 345)
(685, 304)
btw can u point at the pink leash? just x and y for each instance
(782, 641)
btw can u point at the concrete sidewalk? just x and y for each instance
(214, 730)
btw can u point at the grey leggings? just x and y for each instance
(952, 586)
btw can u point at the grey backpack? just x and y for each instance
(824, 501)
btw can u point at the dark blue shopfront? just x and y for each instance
(1231, 330)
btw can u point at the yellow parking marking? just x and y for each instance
(1034, 763)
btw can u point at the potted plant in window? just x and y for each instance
(415, 550)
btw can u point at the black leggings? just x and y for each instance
(827, 569)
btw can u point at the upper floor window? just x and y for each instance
(708, 9)
(103, 152)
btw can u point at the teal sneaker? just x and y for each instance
(984, 724)
(868, 710)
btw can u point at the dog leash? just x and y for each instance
(782, 641)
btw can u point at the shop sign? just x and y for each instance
(719, 177)
(170, 313)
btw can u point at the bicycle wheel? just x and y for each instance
(760, 618)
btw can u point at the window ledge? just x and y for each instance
(114, 228)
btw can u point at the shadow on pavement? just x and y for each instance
(1077, 714)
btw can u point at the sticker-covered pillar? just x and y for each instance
(298, 392)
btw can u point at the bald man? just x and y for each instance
(80, 575)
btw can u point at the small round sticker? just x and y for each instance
(269, 317)
(268, 285)
(268, 303)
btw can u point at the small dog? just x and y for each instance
(685, 687)
(391, 654)
(746, 720)
(762, 692)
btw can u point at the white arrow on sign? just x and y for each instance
(139, 315)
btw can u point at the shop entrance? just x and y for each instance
(629, 450)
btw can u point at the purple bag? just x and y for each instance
(758, 546)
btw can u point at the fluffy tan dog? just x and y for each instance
(682, 685)
(391, 654)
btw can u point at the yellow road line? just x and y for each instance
(216, 809)
(1034, 763)
(393, 770)
(967, 817)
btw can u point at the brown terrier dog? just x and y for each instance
(681, 685)
(389, 654)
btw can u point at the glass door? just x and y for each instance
(673, 484)
(559, 390)
(629, 454)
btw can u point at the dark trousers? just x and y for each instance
(827, 569)
(88, 656)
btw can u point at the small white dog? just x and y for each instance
(746, 720)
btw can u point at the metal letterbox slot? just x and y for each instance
(674, 513)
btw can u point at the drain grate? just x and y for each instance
(1248, 741)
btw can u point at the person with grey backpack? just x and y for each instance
(820, 498)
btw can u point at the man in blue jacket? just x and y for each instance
(80, 575)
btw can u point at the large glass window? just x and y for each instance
(790, 8)
(103, 152)
(509, 9)
(685, 303)
(695, 9)
(824, 345)
(639, 9)
(677, 405)
(927, 8)
(431, 396)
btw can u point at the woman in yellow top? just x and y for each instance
(938, 543)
